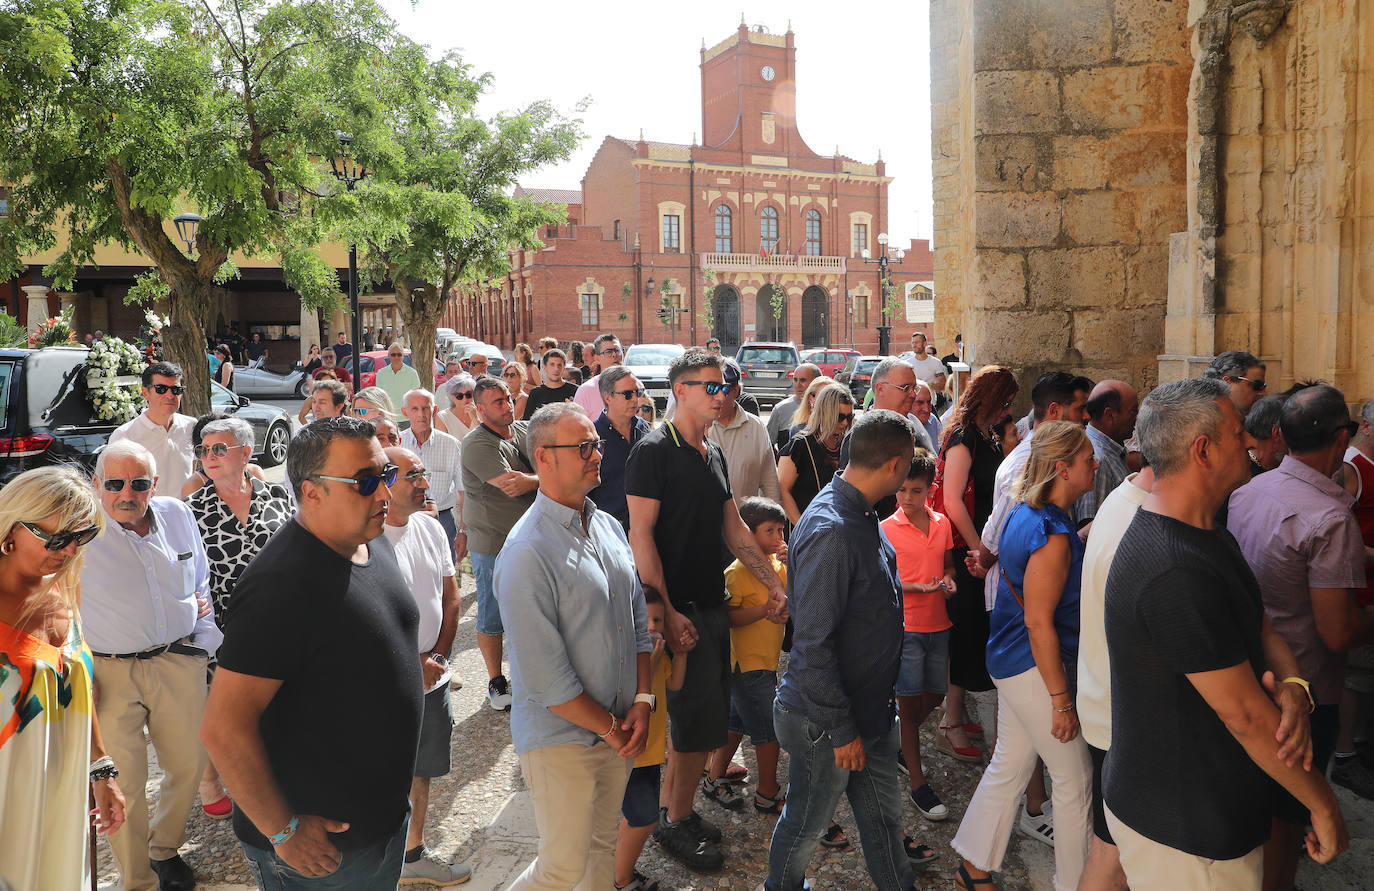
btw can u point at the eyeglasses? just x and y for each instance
(1257, 386)
(415, 476)
(219, 449)
(477, 361)
(513, 375)
(611, 351)
(646, 410)
(463, 396)
(584, 449)
(142, 484)
(713, 388)
(363, 411)
(846, 417)
(161, 389)
(56, 541)
(395, 356)
(366, 484)
(627, 395)
(905, 388)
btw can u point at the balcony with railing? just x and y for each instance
(780, 262)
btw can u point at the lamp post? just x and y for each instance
(884, 329)
(187, 224)
(348, 171)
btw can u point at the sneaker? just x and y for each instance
(929, 804)
(1039, 826)
(1353, 775)
(498, 693)
(700, 825)
(680, 841)
(720, 792)
(429, 871)
(901, 764)
(455, 682)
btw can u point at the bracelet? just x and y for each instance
(103, 768)
(607, 735)
(287, 831)
(1311, 703)
(1067, 708)
(1063, 693)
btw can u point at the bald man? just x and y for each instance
(780, 420)
(1112, 408)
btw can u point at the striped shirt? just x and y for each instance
(442, 457)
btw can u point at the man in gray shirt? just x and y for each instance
(780, 419)
(499, 483)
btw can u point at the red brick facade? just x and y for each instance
(752, 216)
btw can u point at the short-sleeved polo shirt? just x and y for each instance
(920, 558)
(692, 490)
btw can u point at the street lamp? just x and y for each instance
(884, 329)
(348, 171)
(187, 224)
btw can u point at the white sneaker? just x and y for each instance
(1039, 826)
(428, 871)
(498, 693)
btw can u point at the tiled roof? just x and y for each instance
(550, 196)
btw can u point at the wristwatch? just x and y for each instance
(438, 657)
(649, 698)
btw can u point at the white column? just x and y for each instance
(38, 305)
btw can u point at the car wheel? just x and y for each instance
(303, 387)
(274, 447)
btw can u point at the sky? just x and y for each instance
(863, 81)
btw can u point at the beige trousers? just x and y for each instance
(167, 694)
(577, 793)
(1151, 866)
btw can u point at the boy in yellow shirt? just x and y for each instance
(755, 644)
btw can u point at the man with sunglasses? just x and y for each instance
(606, 352)
(147, 618)
(499, 486)
(744, 439)
(477, 364)
(1243, 373)
(620, 427)
(396, 377)
(314, 715)
(331, 364)
(894, 389)
(161, 429)
(678, 492)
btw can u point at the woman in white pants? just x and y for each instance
(1032, 652)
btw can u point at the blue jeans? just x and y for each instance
(814, 788)
(376, 867)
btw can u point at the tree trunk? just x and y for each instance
(183, 342)
(420, 307)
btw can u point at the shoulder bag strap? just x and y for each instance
(1014, 593)
(815, 474)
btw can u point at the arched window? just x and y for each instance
(723, 240)
(813, 233)
(768, 230)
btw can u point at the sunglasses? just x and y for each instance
(1257, 386)
(611, 351)
(219, 449)
(513, 375)
(646, 410)
(56, 541)
(584, 449)
(366, 484)
(161, 389)
(394, 356)
(142, 484)
(462, 396)
(845, 417)
(713, 388)
(627, 395)
(364, 411)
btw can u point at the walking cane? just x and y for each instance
(90, 800)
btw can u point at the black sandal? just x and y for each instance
(770, 804)
(965, 881)
(918, 853)
(834, 837)
(639, 882)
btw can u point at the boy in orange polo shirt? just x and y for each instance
(925, 561)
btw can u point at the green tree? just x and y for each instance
(120, 114)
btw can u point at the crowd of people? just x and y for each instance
(1169, 595)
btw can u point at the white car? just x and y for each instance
(650, 362)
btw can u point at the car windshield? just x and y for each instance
(768, 355)
(651, 355)
(47, 374)
(866, 366)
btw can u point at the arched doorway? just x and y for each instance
(815, 307)
(768, 327)
(725, 318)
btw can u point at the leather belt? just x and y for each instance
(180, 647)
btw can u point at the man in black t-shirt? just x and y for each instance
(554, 388)
(679, 498)
(321, 622)
(1193, 729)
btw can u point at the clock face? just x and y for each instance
(768, 72)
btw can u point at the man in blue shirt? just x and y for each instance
(619, 427)
(834, 711)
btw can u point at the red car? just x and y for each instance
(830, 360)
(376, 359)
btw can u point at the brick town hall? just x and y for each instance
(751, 230)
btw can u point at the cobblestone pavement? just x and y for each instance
(486, 776)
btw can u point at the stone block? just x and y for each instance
(1151, 30)
(1102, 216)
(1008, 163)
(1080, 162)
(1147, 276)
(1111, 336)
(999, 279)
(1162, 212)
(1019, 338)
(1077, 277)
(1112, 98)
(1244, 153)
(1069, 35)
(1016, 219)
(1142, 160)
(1015, 102)
(999, 34)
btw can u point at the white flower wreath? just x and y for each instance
(114, 380)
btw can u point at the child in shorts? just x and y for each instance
(639, 809)
(755, 645)
(924, 544)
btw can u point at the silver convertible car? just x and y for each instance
(261, 382)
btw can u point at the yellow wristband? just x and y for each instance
(1306, 688)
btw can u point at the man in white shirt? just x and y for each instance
(927, 367)
(160, 429)
(147, 618)
(607, 353)
(427, 566)
(442, 454)
(744, 439)
(780, 419)
(396, 377)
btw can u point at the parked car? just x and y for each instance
(376, 359)
(830, 360)
(496, 360)
(271, 425)
(858, 375)
(262, 382)
(765, 368)
(650, 362)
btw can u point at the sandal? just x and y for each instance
(720, 792)
(834, 837)
(219, 810)
(917, 852)
(965, 881)
(770, 804)
(975, 731)
(639, 882)
(961, 753)
(734, 773)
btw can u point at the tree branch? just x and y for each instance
(223, 33)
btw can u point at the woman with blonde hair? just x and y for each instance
(1032, 655)
(970, 455)
(371, 403)
(50, 748)
(514, 376)
(812, 456)
(524, 356)
(803, 413)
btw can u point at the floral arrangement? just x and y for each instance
(113, 379)
(54, 332)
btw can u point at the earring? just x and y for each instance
(7, 547)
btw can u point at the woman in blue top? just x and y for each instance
(1032, 651)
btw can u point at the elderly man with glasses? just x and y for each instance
(145, 606)
(396, 377)
(161, 429)
(620, 427)
(606, 353)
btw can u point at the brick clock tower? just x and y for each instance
(749, 94)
